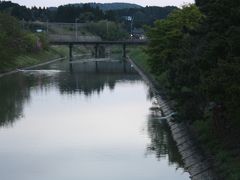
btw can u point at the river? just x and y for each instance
(89, 121)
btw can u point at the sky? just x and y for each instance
(51, 3)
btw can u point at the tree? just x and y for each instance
(220, 59)
(10, 40)
(107, 30)
(172, 59)
(14, 41)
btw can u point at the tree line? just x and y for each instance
(195, 56)
(84, 12)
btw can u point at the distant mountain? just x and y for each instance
(111, 6)
(52, 8)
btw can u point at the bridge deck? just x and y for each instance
(128, 42)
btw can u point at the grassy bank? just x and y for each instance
(53, 52)
(30, 59)
(40, 57)
(138, 55)
(226, 162)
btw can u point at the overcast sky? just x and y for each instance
(49, 3)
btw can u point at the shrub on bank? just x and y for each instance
(31, 43)
(10, 40)
(14, 41)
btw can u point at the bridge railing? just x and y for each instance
(72, 38)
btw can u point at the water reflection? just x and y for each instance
(83, 78)
(13, 95)
(162, 143)
(88, 78)
(64, 135)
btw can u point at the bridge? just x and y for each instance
(96, 44)
(70, 34)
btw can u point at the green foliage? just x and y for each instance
(89, 12)
(107, 30)
(29, 42)
(167, 37)
(43, 40)
(29, 59)
(195, 54)
(14, 41)
(169, 42)
(10, 41)
(144, 16)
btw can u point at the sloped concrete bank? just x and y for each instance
(196, 164)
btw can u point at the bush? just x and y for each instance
(30, 42)
(14, 41)
(107, 30)
(44, 42)
(10, 40)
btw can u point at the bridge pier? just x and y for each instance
(70, 51)
(96, 51)
(97, 43)
(124, 51)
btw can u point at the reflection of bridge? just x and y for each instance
(93, 77)
(96, 44)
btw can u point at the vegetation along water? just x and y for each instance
(82, 119)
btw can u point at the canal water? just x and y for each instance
(89, 121)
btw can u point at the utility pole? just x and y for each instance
(107, 28)
(131, 27)
(76, 29)
(47, 26)
(130, 19)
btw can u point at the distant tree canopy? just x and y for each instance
(107, 30)
(86, 12)
(70, 13)
(144, 16)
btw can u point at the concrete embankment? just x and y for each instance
(196, 164)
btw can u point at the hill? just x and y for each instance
(88, 12)
(110, 6)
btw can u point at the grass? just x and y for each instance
(80, 50)
(40, 57)
(34, 58)
(52, 53)
(29, 59)
(139, 56)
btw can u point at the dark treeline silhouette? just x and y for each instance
(195, 56)
(69, 13)
(85, 12)
(143, 16)
(111, 6)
